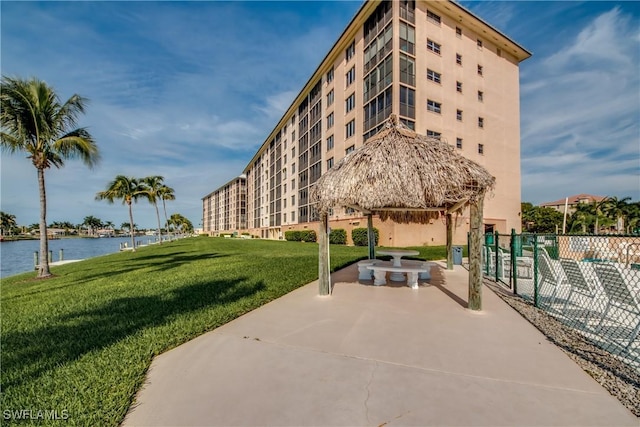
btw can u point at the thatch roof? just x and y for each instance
(404, 176)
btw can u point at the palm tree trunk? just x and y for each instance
(133, 240)
(43, 263)
(155, 205)
(166, 220)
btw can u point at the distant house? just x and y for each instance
(573, 201)
(55, 232)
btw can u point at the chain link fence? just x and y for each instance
(589, 283)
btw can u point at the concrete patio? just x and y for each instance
(374, 356)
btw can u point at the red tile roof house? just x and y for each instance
(572, 202)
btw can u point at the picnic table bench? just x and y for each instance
(412, 272)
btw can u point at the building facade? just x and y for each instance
(225, 209)
(443, 71)
(572, 202)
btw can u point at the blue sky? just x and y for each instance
(190, 90)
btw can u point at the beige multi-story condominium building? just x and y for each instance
(442, 70)
(225, 209)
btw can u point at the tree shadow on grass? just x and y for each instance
(27, 355)
(111, 268)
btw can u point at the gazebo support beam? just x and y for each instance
(449, 242)
(475, 254)
(371, 237)
(324, 278)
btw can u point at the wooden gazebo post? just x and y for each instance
(324, 278)
(371, 236)
(475, 253)
(449, 241)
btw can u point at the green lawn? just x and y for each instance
(82, 341)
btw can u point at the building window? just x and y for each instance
(349, 149)
(350, 51)
(407, 38)
(407, 102)
(459, 115)
(481, 122)
(433, 134)
(376, 112)
(378, 48)
(330, 143)
(330, 163)
(330, 96)
(479, 42)
(458, 59)
(378, 79)
(432, 17)
(480, 148)
(459, 143)
(480, 96)
(480, 70)
(329, 79)
(293, 184)
(433, 46)
(434, 106)
(350, 102)
(293, 200)
(330, 121)
(407, 10)
(433, 76)
(293, 216)
(407, 70)
(350, 128)
(458, 31)
(293, 168)
(284, 216)
(409, 123)
(459, 87)
(350, 77)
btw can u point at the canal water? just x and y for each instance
(17, 257)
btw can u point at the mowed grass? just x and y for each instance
(82, 341)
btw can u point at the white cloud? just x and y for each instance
(579, 114)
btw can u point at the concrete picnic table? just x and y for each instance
(397, 255)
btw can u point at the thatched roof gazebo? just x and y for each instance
(409, 178)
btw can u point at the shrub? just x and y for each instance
(359, 236)
(292, 236)
(338, 237)
(308, 236)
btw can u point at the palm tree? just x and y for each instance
(92, 223)
(181, 223)
(129, 190)
(36, 122)
(153, 184)
(615, 209)
(109, 225)
(166, 193)
(632, 213)
(582, 217)
(7, 222)
(597, 207)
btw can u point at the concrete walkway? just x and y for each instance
(373, 356)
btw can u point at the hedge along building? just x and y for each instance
(443, 71)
